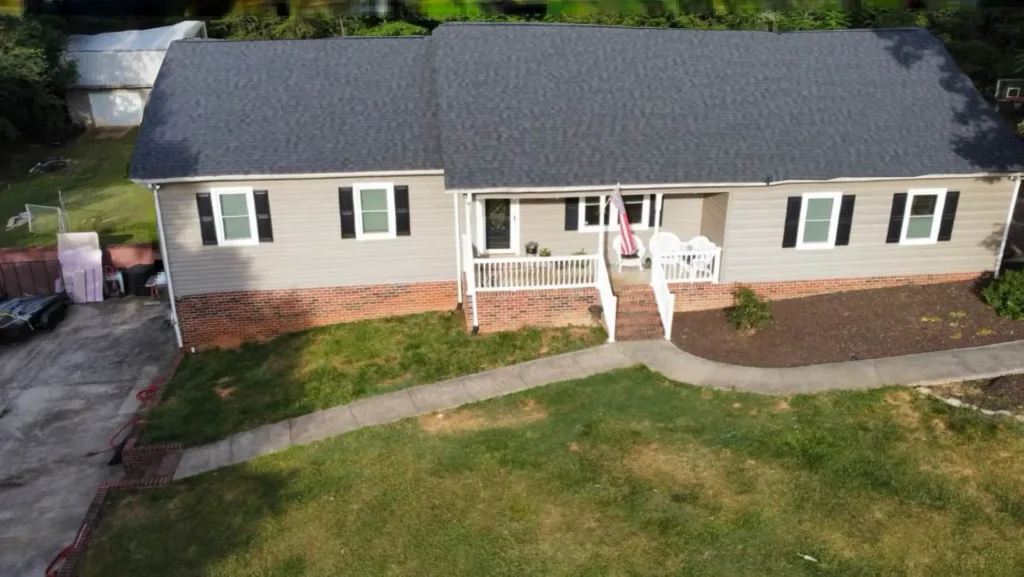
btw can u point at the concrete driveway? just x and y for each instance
(62, 395)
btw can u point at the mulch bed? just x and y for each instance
(865, 324)
(1001, 393)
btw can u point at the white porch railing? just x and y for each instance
(692, 266)
(663, 297)
(554, 272)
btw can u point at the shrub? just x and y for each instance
(751, 313)
(1006, 295)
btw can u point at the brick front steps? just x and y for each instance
(637, 317)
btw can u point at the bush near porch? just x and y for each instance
(624, 473)
(220, 392)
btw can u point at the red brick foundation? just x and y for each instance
(511, 310)
(227, 319)
(703, 296)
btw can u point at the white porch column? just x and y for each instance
(467, 240)
(600, 222)
(658, 200)
(470, 265)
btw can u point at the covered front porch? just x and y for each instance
(546, 242)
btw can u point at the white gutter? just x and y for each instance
(601, 188)
(167, 263)
(1009, 221)
(305, 176)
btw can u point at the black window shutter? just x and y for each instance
(206, 225)
(899, 206)
(348, 212)
(845, 220)
(792, 222)
(949, 215)
(572, 213)
(653, 205)
(264, 228)
(402, 210)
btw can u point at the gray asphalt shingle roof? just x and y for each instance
(517, 105)
(563, 105)
(290, 107)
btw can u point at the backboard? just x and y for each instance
(1010, 90)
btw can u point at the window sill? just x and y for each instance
(253, 242)
(376, 236)
(918, 242)
(815, 247)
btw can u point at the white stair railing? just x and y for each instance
(609, 302)
(664, 298)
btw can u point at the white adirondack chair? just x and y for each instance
(664, 242)
(638, 261)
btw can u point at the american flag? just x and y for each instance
(628, 247)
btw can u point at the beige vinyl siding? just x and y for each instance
(308, 250)
(543, 221)
(712, 223)
(752, 250)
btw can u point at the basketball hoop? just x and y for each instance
(1017, 101)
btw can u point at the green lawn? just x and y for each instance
(624, 473)
(220, 392)
(98, 195)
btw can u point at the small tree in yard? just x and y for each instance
(1006, 295)
(751, 313)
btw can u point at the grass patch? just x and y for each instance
(220, 392)
(98, 195)
(621, 473)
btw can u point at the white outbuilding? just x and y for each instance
(116, 71)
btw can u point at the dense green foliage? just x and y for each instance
(751, 313)
(32, 78)
(1006, 295)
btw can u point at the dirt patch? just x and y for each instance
(716, 476)
(903, 410)
(838, 327)
(780, 406)
(526, 412)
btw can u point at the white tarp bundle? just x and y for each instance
(81, 264)
(129, 59)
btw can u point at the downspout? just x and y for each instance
(1006, 227)
(458, 251)
(167, 263)
(471, 278)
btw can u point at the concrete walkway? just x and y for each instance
(661, 356)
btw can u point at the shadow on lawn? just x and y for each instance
(222, 520)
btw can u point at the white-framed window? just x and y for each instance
(922, 215)
(638, 208)
(375, 210)
(819, 220)
(234, 215)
